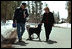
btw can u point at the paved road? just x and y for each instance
(61, 35)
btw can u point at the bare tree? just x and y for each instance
(7, 9)
(69, 11)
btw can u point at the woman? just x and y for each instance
(48, 20)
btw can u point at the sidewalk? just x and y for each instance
(61, 35)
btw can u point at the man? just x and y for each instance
(48, 20)
(20, 16)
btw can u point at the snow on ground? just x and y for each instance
(66, 25)
(7, 28)
(32, 24)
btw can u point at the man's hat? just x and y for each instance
(24, 4)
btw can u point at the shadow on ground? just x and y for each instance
(48, 42)
(20, 43)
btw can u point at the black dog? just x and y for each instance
(36, 31)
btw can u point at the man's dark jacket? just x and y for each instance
(19, 15)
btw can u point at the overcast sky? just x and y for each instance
(56, 6)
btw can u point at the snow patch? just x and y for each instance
(7, 28)
(67, 25)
